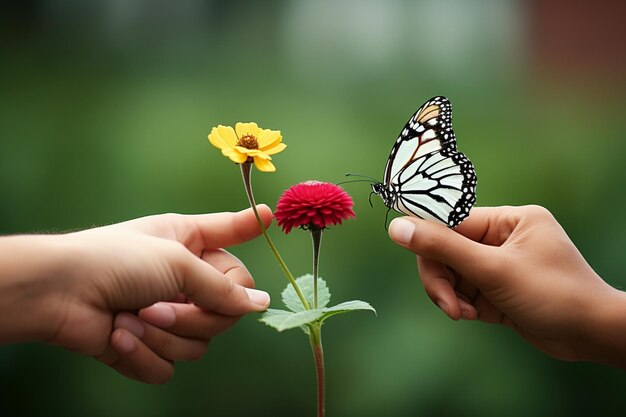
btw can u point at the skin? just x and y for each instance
(516, 266)
(137, 295)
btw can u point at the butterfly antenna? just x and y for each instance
(350, 174)
(351, 181)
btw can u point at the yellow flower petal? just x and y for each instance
(252, 152)
(242, 149)
(222, 137)
(216, 139)
(228, 134)
(237, 157)
(243, 129)
(264, 165)
(275, 149)
(268, 138)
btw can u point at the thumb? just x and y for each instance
(438, 242)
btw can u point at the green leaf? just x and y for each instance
(283, 320)
(346, 307)
(305, 282)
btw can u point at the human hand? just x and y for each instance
(114, 275)
(516, 266)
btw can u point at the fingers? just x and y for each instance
(452, 266)
(146, 346)
(229, 265)
(467, 271)
(477, 226)
(210, 289)
(219, 230)
(437, 242)
(146, 352)
(438, 286)
(137, 361)
(187, 320)
(167, 345)
(203, 231)
(442, 286)
(494, 226)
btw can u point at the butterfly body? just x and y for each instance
(426, 176)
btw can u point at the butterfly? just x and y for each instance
(426, 176)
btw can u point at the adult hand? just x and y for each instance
(94, 291)
(516, 266)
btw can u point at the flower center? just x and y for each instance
(248, 142)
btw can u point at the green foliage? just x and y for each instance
(346, 307)
(305, 282)
(283, 320)
(298, 316)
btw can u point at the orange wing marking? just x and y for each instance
(428, 113)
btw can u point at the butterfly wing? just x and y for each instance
(426, 173)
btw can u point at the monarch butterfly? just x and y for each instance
(426, 176)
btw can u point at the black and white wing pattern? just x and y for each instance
(426, 176)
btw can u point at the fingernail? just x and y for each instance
(258, 297)
(130, 323)
(401, 231)
(125, 342)
(160, 314)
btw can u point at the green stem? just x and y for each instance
(245, 173)
(315, 337)
(316, 235)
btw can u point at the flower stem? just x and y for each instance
(246, 168)
(315, 337)
(316, 235)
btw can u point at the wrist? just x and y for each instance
(33, 281)
(607, 329)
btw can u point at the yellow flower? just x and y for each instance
(247, 142)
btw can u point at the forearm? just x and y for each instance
(33, 280)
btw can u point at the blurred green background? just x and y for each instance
(104, 111)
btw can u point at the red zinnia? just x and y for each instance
(313, 204)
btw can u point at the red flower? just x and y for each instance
(313, 204)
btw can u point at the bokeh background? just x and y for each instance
(104, 111)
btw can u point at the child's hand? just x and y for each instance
(95, 291)
(516, 266)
